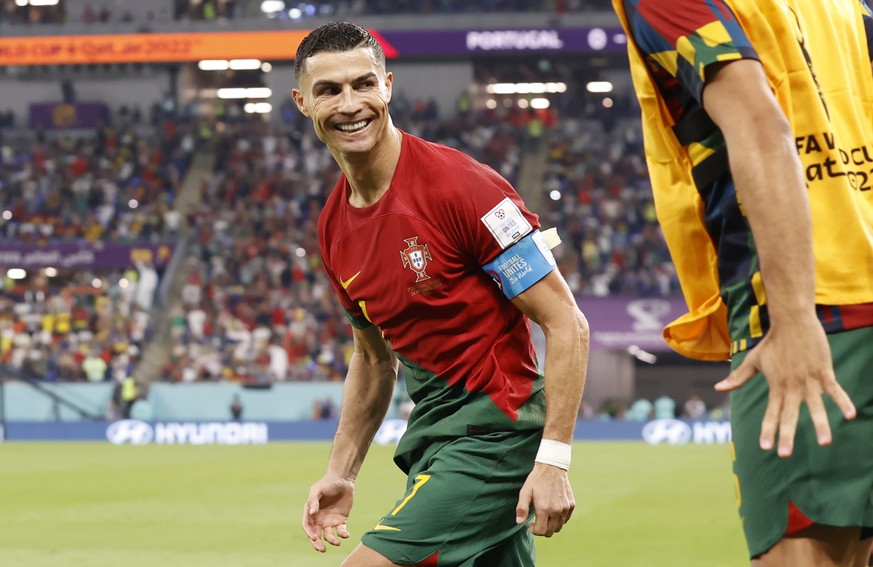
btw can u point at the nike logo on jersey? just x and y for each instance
(349, 281)
(389, 528)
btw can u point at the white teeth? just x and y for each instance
(353, 127)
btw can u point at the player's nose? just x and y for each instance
(349, 101)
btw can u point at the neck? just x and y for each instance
(369, 174)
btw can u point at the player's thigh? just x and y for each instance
(818, 546)
(517, 551)
(363, 556)
(830, 485)
(460, 501)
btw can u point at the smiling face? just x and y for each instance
(346, 95)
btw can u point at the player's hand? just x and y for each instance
(326, 513)
(798, 368)
(548, 490)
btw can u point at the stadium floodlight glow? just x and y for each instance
(124, 283)
(258, 107)
(555, 195)
(540, 103)
(607, 102)
(231, 93)
(245, 64)
(523, 103)
(530, 88)
(259, 92)
(213, 65)
(491, 104)
(300, 252)
(43, 2)
(253, 92)
(271, 6)
(96, 283)
(599, 87)
(295, 13)
(266, 67)
(51, 272)
(133, 203)
(7, 215)
(21, 3)
(525, 88)
(501, 88)
(16, 274)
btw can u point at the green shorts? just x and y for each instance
(459, 506)
(830, 485)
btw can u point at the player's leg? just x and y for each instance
(866, 560)
(781, 499)
(518, 551)
(864, 557)
(363, 556)
(460, 502)
(818, 546)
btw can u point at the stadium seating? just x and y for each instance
(114, 187)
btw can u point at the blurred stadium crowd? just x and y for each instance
(130, 11)
(255, 306)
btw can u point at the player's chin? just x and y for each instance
(359, 146)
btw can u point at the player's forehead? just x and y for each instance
(341, 66)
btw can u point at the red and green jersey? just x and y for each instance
(411, 264)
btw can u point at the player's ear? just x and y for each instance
(297, 96)
(389, 85)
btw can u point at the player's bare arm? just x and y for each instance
(551, 305)
(367, 393)
(794, 356)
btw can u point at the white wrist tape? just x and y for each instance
(554, 453)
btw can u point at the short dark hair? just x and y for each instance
(335, 37)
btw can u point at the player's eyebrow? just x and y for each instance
(327, 83)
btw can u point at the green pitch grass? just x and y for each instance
(98, 505)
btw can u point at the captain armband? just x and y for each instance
(522, 265)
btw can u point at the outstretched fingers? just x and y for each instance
(310, 524)
(840, 397)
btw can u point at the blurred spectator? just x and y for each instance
(129, 395)
(324, 409)
(694, 408)
(613, 409)
(94, 366)
(640, 410)
(585, 410)
(665, 408)
(236, 408)
(147, 283)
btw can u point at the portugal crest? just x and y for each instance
(415, 256)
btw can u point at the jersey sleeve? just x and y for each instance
(685, 37)
(485, 213)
